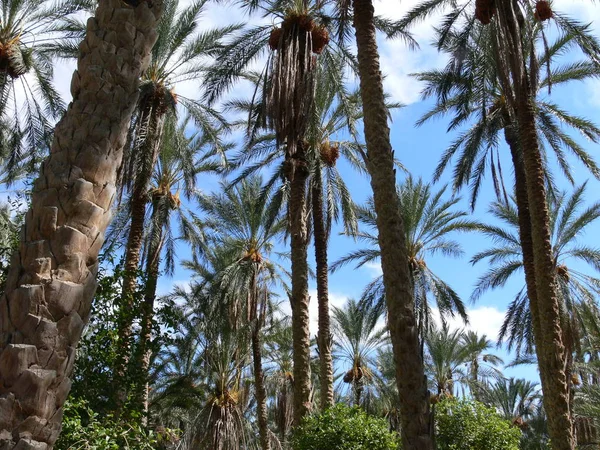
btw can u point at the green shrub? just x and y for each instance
(344, 428)
(470, 425)
(83, 429)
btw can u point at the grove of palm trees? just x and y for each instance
(299, 225)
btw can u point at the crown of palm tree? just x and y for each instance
(428, 220)
(30, 30)
(569, 219)
(469, 90)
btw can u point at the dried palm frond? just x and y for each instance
(485, 10)
(290, 93)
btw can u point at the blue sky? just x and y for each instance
(419, 149)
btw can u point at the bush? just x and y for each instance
(344, 428)
(470, 425)
(83, 429)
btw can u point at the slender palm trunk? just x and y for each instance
(297, 174)
(548, 341)
(259, 385)
(138, 202)
(412, 387)
(53, 274)
(324, 337)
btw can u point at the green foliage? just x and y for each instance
(470, 425)
(344, 428)
(93, 380)
(83, 429)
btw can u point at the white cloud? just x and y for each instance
(482, 319)
(374, 269)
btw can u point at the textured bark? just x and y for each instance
(511, 138)
(52, 277)
(548, 343)
(546, 316)
(402, 323)
(324, 336)
(297, 174)
(261, 393)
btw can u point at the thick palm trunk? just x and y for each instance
(511, 138)
(324, 337)
(546, 316)
(52, 278)
(549, 346)
(297, 174)
(412, 387)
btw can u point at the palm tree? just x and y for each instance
(444, 360)
(428, 220)
(29, 103)
(568, 220)
(515, 399)
(237, 220)
(179, 55)
(402, 323)
(57, 261)
(179, 163)
(511, 41)
(279, 355)
(335, 111)
(357, 339)
(482, 364)
(576, 289)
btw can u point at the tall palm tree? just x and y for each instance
(29, 103)
(511, 42)
(428, 220)
(357, 339)
(180, 161)
(237, 220)
(52, 277)
(402, 323)
(577, 289)
(180, 55)
(328, 198)
(482, 364)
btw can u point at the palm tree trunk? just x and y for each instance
(324, 337)
(297, 174)
(257, 318)
(410, 375)
(548, 341)
(511, 138)
(138, 202)
(549, 346)
(152, 269)
(261, 393)
(53, 275)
